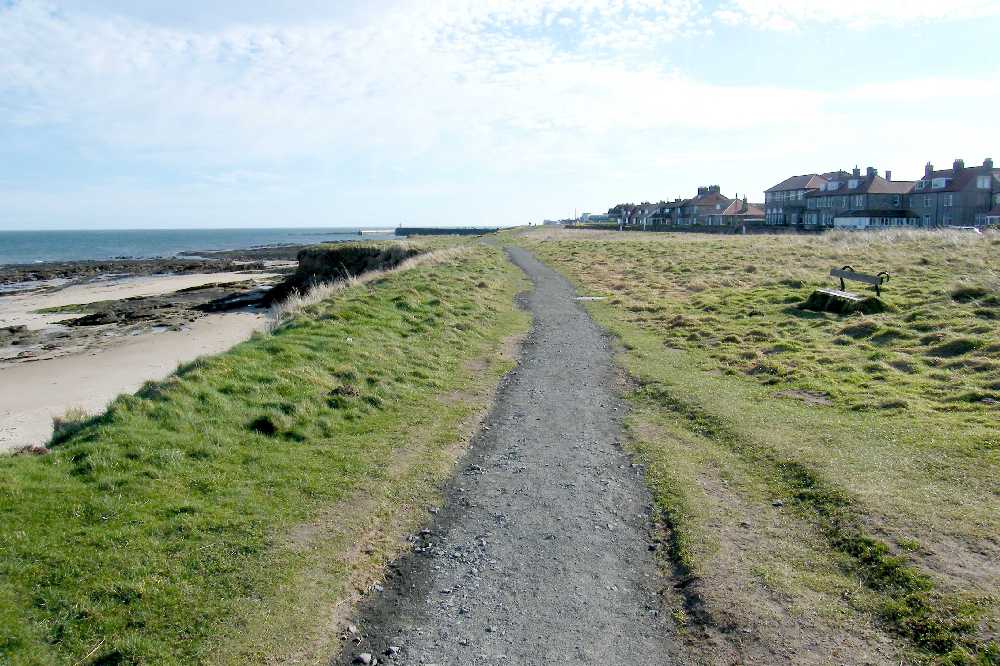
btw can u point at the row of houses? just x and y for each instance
(960, 196)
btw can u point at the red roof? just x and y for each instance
(809, 181)
(958, 182)
(866, 185)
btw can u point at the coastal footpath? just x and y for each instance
(549, 445)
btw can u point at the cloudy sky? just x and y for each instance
(147, 113)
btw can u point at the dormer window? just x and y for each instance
(921, 184)
(853, 183)
(983, 182)
(939, 182)
(833, 185)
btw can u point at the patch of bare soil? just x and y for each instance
(808, 397)
(746, 602)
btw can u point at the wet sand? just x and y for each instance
(31, 394)
(128, 329)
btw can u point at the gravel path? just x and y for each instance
(541, 554)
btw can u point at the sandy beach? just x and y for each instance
(31, 394)
(50, 363)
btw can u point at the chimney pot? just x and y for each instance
(888, 175)
(872, 171)
(958, 165)
(856, 172)
(928, 169)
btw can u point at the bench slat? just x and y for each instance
(857, 277)
(846, 295)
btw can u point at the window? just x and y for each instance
(983, 182)
(897, 200)
(939, 182)
(927, 220)
(833, 185)
(948, 200)
(921, 184)
(800, 194)
(927, 201)
(859, 201)
(853, 183)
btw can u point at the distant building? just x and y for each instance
(708, 201)
(785, 203)
(877, 219)
(960, 196)
(992, 216)
(869, 194)
(738, 212)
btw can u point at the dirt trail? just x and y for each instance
(541, 553)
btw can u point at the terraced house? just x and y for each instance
(856, 197)
(708, 201)
(785, 203)
(739, 212)
(959, 196)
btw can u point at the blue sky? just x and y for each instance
(141, 113)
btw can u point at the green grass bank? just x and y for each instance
(828, 484)
(231, 513)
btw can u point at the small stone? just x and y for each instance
(491, 629)
(392, 651)
(364, 658)
(745, 524)
(777, 503)
(352, 629)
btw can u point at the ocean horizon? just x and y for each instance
(30, 247)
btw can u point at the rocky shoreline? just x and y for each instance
(57, 308)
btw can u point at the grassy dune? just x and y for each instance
(830, 484)
(228, 514)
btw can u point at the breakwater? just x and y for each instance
(445, 231)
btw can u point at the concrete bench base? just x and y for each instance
(842, 302)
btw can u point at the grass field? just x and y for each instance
(830, 485)
(231, 512)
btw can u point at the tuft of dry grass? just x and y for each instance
(299, 302)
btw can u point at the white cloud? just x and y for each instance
(857, 14)
(419, 98)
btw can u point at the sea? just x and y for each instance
(28, 247)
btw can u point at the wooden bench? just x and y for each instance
(848, 273)
(842, 301)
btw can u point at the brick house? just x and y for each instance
(740, 211)
(695, 211)
(785, 203)
(854, 193)
(960, 196)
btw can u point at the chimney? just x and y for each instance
(958, 165)
(702, 190)
(928, 169)
(872, 171)
(988, 163)
(714, 188)
(856, 172)
(888, 175)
